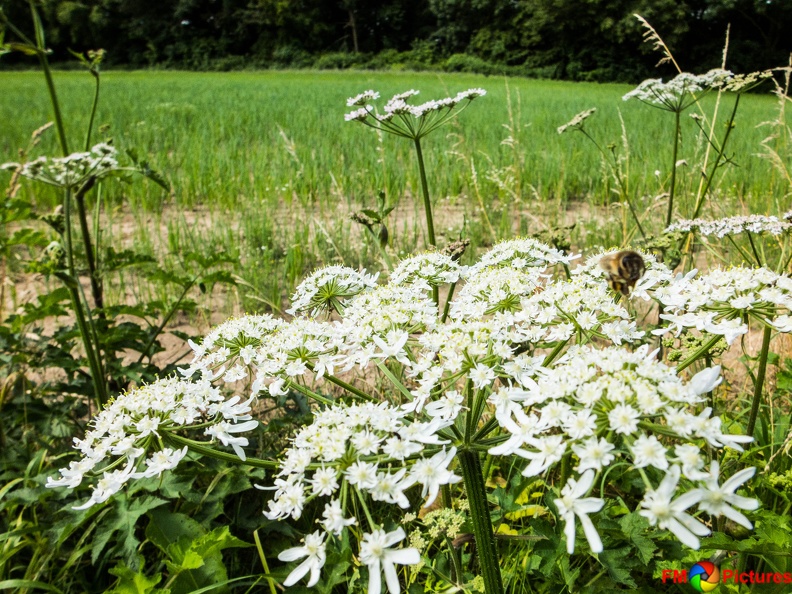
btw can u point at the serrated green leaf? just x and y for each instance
(615, 561)
(122, 520)
(133, 582)
(166, 527)
(634, 527)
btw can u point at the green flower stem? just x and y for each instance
(485, 429)
(456, 563)
(753, 249)
(718, 157)
(427, 201)
(39, 47)
(72, 284)
(366, 511)
(96, 286)
(376, 240)
(482, 524)
(165, 320)
(310, 394)
(348, 387)
(395, 381)
(554, 353)
(204, 450)
(687, 242)
(94, 105)
(447, 307)
(610, 160)
(760, 377)
(673, 171)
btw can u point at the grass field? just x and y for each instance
(264, 166)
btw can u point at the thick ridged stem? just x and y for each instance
(482, 524)
(425, 190)
(760, 377)
(672, 189)
(91, 353)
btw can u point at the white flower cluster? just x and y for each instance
(575, 306)
(521, 253)
(70, 171)
(427, 270)
(678, 93)
(722, 301)
(405, 119)
(132, 429)
(288, 352)
(230, 347)
(494, 289)
(733, 226)
(325, 289)
(358, 446)
(576, 123)
(513, 359)
(601, 405)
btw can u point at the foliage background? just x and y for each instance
(566, 39)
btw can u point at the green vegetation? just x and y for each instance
(519, 393)
(594, 40)
(273, 171)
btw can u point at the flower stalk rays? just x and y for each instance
(414, 122)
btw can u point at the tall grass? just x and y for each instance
(274, 170)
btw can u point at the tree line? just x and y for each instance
(598, 40)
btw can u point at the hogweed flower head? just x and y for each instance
(721, 301)
(577, 122)
(70, 171)
(326, 289)
(131, 430)
(427, 270)
(374, 448)
(733, 226)
(680, 92)
(611, 404)
(403, 118)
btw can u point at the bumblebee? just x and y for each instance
(624, 269)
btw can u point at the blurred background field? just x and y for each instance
(264, 167)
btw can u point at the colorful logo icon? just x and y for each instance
(704, 576)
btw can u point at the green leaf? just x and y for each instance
(217, 540)
(634, 527)
(133, 582)
(23, 48)
(122, 520)
(614, 560)
(166, 527)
